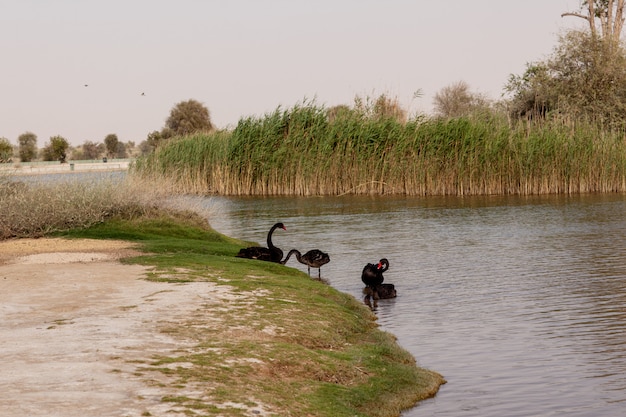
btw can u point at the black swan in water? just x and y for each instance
(372, 277)
(372, 274)
(314, 258)
(271, 253)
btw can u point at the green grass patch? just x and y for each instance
(284, 343)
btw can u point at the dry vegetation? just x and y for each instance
(36, 208)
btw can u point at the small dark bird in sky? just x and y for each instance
(143, 94)
(86, 85)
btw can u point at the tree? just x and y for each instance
(188, 117)
(380, 108)
(457, 100)
(27, 144)
(608, 13)
(130, 149)
(111, 143)
(589, 75)
(6, 150)
(145, 148)
(532, 93)
(92, 150)
(584, 78)
(120, 150)
(338, 112)
(56, 149)
(153, 140)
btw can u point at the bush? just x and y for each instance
(38, 208)
(6, 150)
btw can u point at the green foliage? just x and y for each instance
(188, 117)
(299, 151)
(6, 150)
(584, 78)
(27, 146)
(56, 150)
(381, 107)
(111, 143)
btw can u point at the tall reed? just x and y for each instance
(301, 151)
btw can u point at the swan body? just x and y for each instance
(372, 275)
(314, 258)
(270, 254)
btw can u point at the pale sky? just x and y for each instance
(244, 58)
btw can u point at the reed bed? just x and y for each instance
(301, 151)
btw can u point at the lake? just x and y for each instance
(520, 302)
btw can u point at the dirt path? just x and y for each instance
(75, 324)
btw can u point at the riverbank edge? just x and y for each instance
(71, 167)
(399, 397)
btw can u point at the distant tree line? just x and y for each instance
(185, 118)
(59, 149)
(583, 80)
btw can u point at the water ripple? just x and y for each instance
(518, 302)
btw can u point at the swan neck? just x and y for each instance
(269, 237)
(292, 252)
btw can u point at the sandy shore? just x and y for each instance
(75, 325)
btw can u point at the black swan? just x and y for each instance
(314, 258)
(372, 274)
(372, 277)
(270, 254)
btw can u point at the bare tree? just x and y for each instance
(457, 100)
(609, 14)
(92, 150)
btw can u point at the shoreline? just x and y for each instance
(60, 293)
(40, 168)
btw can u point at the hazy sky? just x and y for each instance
(246, 57)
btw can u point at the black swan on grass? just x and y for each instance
(314, 258)
(270, 254)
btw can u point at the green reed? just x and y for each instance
(301, 151)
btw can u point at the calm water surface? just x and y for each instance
(519, 302)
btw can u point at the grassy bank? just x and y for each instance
(298, 348)
(301, 151)
(286, 344)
